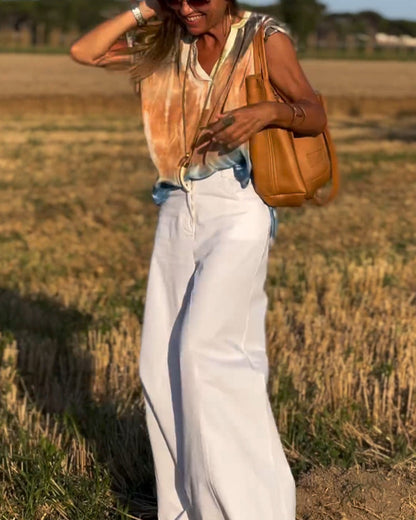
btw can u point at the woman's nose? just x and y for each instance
(185, 8)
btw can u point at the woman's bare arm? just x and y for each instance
(91, 48)
(287, 75)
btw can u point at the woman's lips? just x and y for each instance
(193, 20)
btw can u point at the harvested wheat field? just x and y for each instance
(76, 232)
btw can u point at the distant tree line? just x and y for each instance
(303, 16)
(63, 14)
(310, 16)
(366, 22)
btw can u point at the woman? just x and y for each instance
(203, 363)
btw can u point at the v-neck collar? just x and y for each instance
(229, 43)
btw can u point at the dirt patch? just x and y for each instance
(361, 78)
(355, 494)
(55, 84)
(42, 74)
(37, 74)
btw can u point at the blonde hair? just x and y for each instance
(157, 42)
(153, 44)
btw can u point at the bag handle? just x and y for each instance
(260, 67)
(333, 159)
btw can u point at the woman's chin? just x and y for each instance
(195, 31)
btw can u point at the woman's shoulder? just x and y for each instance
(271, 24)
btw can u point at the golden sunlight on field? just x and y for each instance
(76, 233)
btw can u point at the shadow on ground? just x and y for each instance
(56, 373)
(401, 129)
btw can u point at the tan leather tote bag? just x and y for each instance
(288, 169)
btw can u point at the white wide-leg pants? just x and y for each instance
(203, 363)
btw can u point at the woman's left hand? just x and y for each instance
(235, 127)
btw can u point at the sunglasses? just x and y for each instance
(175, 4)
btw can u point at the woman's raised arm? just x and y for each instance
(91, 48)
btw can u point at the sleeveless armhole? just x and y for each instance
(272, 26)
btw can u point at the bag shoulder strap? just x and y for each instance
(259, 54)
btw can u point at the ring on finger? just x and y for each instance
(228, 121)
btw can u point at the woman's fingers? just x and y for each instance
(232, 125)
(231, 129)
(233, 134)
(236, 143)
(216, 126)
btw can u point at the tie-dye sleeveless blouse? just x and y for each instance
(163, 101)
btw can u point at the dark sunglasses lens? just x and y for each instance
(192, 3)
(198, 3)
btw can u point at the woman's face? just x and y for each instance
(201, 17)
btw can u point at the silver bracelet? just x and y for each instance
(138, 15)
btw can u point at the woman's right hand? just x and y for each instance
(149, 6)
(92, 48)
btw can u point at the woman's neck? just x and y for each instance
(217, 36)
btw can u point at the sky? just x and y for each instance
(392, 9)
